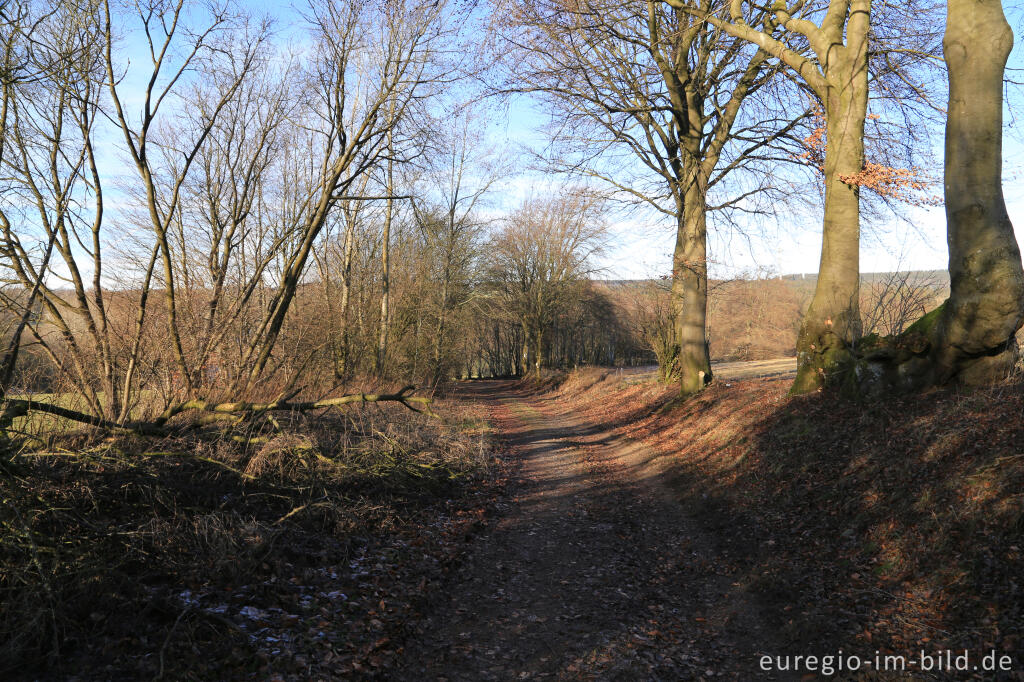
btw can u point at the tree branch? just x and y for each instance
(15, 407)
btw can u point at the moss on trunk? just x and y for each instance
(970, 339)
(832, 325)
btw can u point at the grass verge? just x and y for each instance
(128, 557)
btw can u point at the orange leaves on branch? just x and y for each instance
(907, 185)
(901, 184)
(816, 143)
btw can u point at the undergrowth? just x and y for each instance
(111, 544)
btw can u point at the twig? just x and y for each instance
(293, 512)
(208, 460)
(167, 640)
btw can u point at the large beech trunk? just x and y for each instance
(690, 291)
(832, 323)
(970, 339)
(974, 337)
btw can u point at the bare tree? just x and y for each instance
(236, 174)
(457, 183)
(82, 333)
(83, 330)
(648, 99)
(49, 169)
(538, 258)
(161, 183)
(380, 357)
(24, 60)
(370, 65)
(651, 317)
(828, 44)
(838, 74)
(892, 300)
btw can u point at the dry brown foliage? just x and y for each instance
(124, 555)
(899, 527)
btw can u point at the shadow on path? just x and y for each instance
(590, 571)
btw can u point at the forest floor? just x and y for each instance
(598, 529)
(648, 538)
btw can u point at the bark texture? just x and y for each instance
(970, 338)
(690, 293)
(832, 325)
(974, 337)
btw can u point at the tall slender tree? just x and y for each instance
(647, 99)
(837, 72)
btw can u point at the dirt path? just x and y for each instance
(590, 571)
(727, 371)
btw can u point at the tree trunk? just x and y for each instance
(690, 290)
(526, 353)
(341, 365)
(974, 337)
(9, 361)
(832, 324)
(416, 343)
(442, 330)
(498, 355)
(538, 357)
(970, 338)
(385, 259)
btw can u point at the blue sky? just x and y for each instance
(640, 245)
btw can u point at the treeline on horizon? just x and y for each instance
(612, 323)
(197, 211)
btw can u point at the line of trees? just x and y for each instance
(191, 213)
(178, 266)
(971, 337)
(695, 108)
(190, 210)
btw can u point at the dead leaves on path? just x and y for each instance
(894, 525)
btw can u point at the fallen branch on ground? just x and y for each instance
(16, 407)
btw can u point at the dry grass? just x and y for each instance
(102, 536)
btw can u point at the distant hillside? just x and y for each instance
(758, 319)
(941, 275)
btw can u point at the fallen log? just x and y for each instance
(17, 407)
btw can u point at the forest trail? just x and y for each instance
(591, 570)
(727, 371)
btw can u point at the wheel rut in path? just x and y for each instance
(591, 571)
